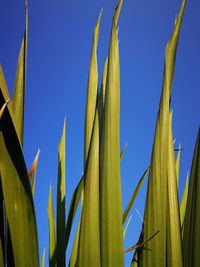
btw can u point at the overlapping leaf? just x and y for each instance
(191, 235)
(18, 99)
(16, 189)
(157, 201)
(110, 180)
(135, 193)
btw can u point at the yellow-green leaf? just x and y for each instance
(184, 201)
(101, 99)
(110, 180)
(16, 189)
(178, 162)
(157, 206)
(135, 193)
(123, 151)
(126, 226)
(91, 93)
(174, 240)
(74, 253)
(20, 83)
(52, 231)
(60, 226)
(33, 171)
(43, 259)
(89, 241)
(191, 235)
(72, 209)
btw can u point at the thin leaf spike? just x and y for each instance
(52, 231)
(73, 208)
(184, 201)
(126, 226)
(110, 180)
(18, 200)
(117, 12)
(101, 98)
(3, 108)
(174, 239)
(135, 193)
(74, 253)
(61, 259)
(91, 92)
(156, 209)
(123, 151)
(89, 241)
(43, 258)
(178, 162)
(191, 235)
(20, 83)
(33, 171)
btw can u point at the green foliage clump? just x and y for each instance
(170, 232)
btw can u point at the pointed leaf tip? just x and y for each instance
(3, 107)
(34, 164)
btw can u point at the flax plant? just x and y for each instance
(170, 231)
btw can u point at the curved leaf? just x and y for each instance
(191, 235)
(156, 209)
(132, 200)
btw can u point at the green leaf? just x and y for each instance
(3, 108)
(123, 151)
(20, 83)
(61, 260)
(174, 239)
(3, 86)
(52, 231)
(74, 253)
(184, 202)
(191, 235)
(72, 209)
(33, 171)
(16, 189)
(178, 162)
(110, 180)
(101, 99)
(134, 264)
(135, 193)
(43, 259)
(126, 226)
(89, 242)
(91, 93)
(157, 206)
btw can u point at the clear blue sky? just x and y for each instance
(60, 39)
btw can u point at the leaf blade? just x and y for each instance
(191, 235)
(18, 98)
(110, 181)
(52, 231)
(60, 216)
